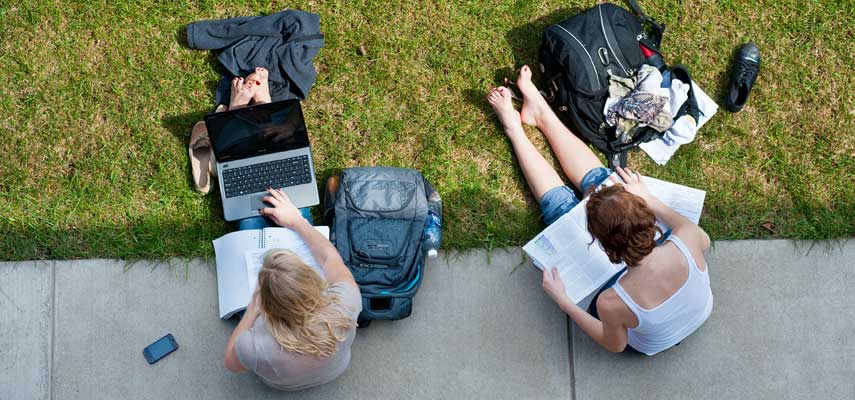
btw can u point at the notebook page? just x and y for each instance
(232, 284)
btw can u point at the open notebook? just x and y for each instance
(239, 256)
(584, 266)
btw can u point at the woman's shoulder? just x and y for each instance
(689, 248)
(349, 294)
(611, 306)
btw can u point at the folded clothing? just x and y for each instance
(639, 102)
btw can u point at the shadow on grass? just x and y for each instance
(153, 236)
(524, 40)
(493, 215)
(490, 215)
(143, 237)
(180, 127)
(722, 87)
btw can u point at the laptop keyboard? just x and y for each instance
(258, 177)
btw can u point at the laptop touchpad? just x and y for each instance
(256, 202)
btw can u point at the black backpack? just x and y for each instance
(575, 56)
(377, 218)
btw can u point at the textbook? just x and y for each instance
(239, 256)
(582, 264)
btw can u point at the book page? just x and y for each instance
(566, 245)
(280, 238)
(686, 201)
(232, 285)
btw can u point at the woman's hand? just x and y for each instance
(252, 310)
(553, 286)
(633, 183)
(283, 212)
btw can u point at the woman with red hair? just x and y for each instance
(664, 293)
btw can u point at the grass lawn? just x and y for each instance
(97, 101)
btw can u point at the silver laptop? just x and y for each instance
(262, 146)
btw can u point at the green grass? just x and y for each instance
(97, 101)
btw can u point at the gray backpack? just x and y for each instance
(379, 219)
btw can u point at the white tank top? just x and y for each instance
(672, 321)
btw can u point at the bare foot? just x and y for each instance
(533, 101)
(241, 93)
(500, 99)
(259, 78)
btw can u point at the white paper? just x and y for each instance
(582, 264)
(232, 284)
(662, 149)
(239, 256)
(686, 201)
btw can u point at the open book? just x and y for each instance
(239, 256)
(583, 266)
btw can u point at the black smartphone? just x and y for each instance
(160, 348)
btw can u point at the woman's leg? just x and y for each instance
(538, 173)
(258, 222)
(575, 157)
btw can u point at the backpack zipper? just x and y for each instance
(603, 27)
(597, 79)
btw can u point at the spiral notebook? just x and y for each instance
(239, 256)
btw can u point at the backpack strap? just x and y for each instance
(637, 8)
(658, 29)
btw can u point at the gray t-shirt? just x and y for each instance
(258, 351)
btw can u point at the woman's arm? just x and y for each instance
(284, 213)
(609, 333)
(231, 359)
(688, 231)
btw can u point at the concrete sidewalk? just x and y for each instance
(481, 328)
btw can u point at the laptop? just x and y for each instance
(261, 146)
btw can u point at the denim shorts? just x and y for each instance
(561, 199)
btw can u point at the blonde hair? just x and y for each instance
(296, 302)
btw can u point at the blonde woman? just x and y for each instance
(297, 331)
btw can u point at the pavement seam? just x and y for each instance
(572, 359)
(52, 329)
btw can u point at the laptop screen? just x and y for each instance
(256, 130)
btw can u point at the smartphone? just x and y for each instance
(160, 348)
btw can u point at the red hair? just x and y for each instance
(623, 224)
